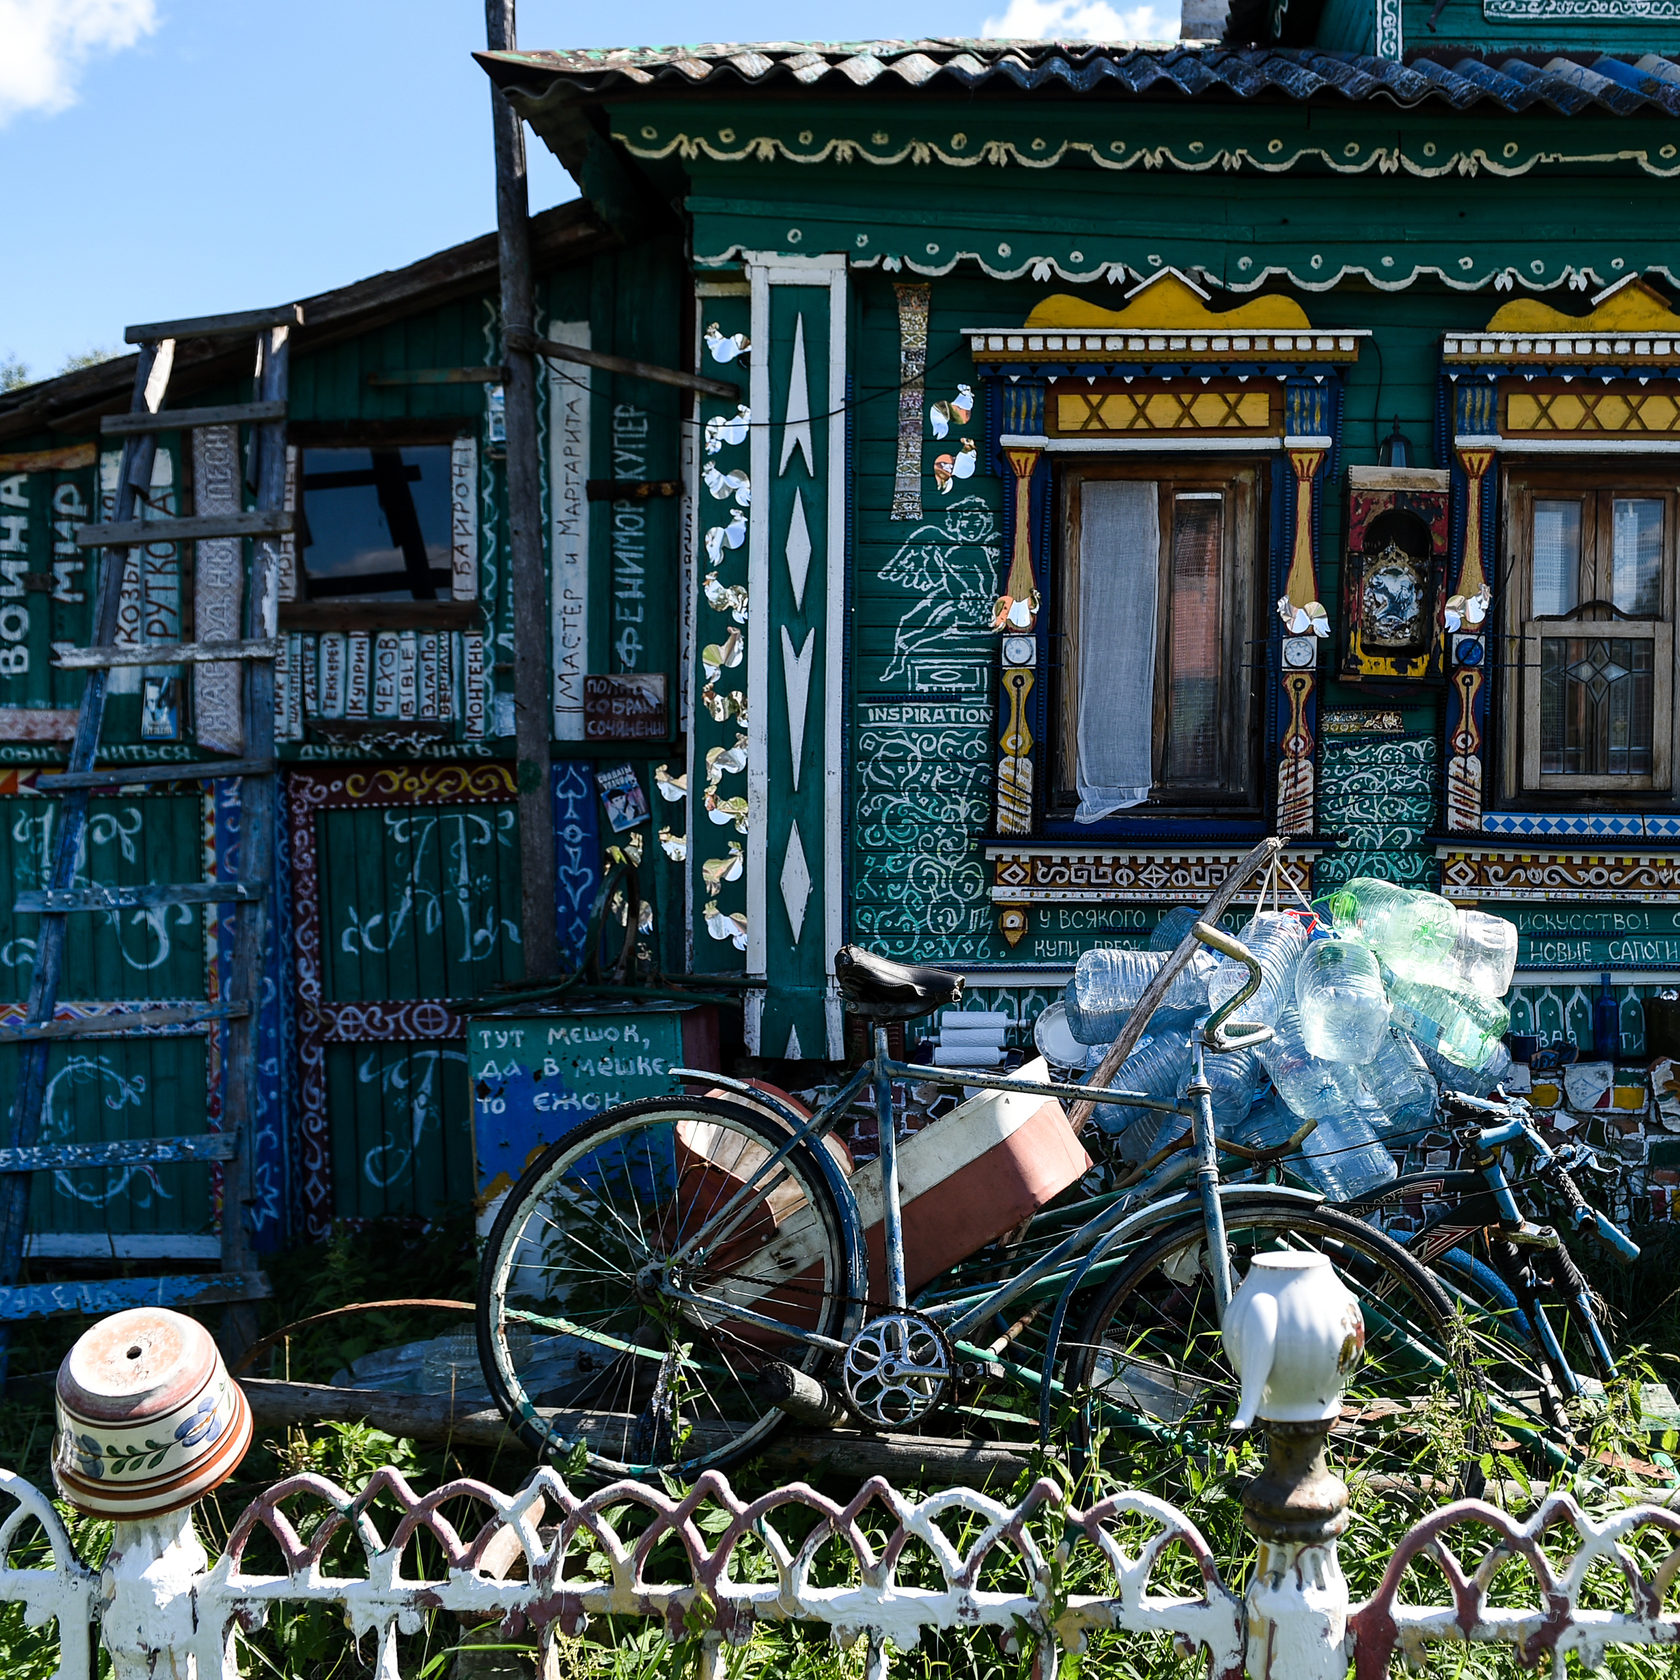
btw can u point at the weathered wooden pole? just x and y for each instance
(532, 700)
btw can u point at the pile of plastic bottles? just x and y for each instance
(1377, 999)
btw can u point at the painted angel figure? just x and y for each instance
(949, 565)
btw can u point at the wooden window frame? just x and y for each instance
(1596, 488)
(1242, 481)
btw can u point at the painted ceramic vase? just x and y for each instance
(148, 1418)
(1293, 1333)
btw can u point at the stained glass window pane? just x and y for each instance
(1557, 558)
(1595, 706)
(1636, 568)
(1190, 752)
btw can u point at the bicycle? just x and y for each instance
(668, 1281)
(1497, 1262)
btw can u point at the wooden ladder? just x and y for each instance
(237, 1279)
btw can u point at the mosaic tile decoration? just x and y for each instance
(1629, 825)
(913, 298)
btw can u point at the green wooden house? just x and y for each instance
(1147, 449)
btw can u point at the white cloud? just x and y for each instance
(1081, 20)
(44, 44)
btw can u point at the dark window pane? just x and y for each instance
(1557, 558)
(1636, 525)
(1190, 751)
(1595, 706)
(376, 524)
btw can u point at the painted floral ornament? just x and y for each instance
(148, 1418)
(1467, 612)
(732, 926)
(722, 429)
(1307, 619)
(947, 469)
(726, 347)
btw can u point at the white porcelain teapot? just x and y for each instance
(1293, 1333)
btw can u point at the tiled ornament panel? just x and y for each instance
(1607, 825)
(1378, 792)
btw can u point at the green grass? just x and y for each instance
(303, 1643)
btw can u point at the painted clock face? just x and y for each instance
(1299, 651)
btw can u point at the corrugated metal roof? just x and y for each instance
(1587, 82)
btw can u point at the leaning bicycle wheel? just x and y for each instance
(1150, 1358)
(645, 1270)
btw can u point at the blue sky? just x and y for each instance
(178, 157)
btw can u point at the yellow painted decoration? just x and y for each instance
(1015, 769)
(1302, 586)
(1169, 300)
(1472, 575)
(1107, 413)
(1017, 607)
(1540, 413)
(1634, 306)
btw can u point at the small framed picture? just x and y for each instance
(160, 709)
(621, 793)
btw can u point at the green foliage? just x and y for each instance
(89, 358)
(14, 372)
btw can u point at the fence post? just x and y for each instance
(148, 1584)
(1293, 1333)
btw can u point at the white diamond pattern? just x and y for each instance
(795, 882)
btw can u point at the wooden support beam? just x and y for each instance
(109, 1295)
(183, 419)
(533, 679)
(217, 326)
(631, 368)
(313, 617)
(69, 658)
(125, 533)
(123, 1152)
(431, 1417)
(123, 775)
(437, 376)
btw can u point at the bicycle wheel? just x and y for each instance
(583, 1332)
(1149, 1356)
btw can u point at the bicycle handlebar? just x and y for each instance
(1241, 1035)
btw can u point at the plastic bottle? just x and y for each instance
(1339, 994)
(1308, 1086)
(1401, 1087)
(1413, 932)
(1235, 1076)
(1607, 1022)
(1484, 955)
(1344, 1158)
(1269, 1124)
(1101, 1030)
(1277, 939)
(1155, 1068)
(1108, 982)
(1170, 931)
(1463, 1027)
(1478, 1082)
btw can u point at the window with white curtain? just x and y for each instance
(1157, 612)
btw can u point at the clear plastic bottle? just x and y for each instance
(1108, 982)
(1413, 932)
(1344, 1157)
(1277, 939)
(1101, 1030)
(1269, 1124)
(1463, 1027)
(1339, 994)
(1170, 931)
(1402, 1089)
(1477, 1082)
(1308, 1086)
(1155, 1069)
(1484, 955)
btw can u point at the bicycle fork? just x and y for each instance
(1207, 1179)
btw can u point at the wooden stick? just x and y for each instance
(555, 351)
(431, 1417)
(1157, 988)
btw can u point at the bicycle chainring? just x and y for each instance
(897, 1369)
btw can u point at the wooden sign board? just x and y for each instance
(625, 706)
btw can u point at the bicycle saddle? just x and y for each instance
(890, 991)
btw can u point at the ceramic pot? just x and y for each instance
(148, 1418)
(1293, 1333)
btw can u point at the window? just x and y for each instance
(376, 523)
(1591, 610)
(1156, 613)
